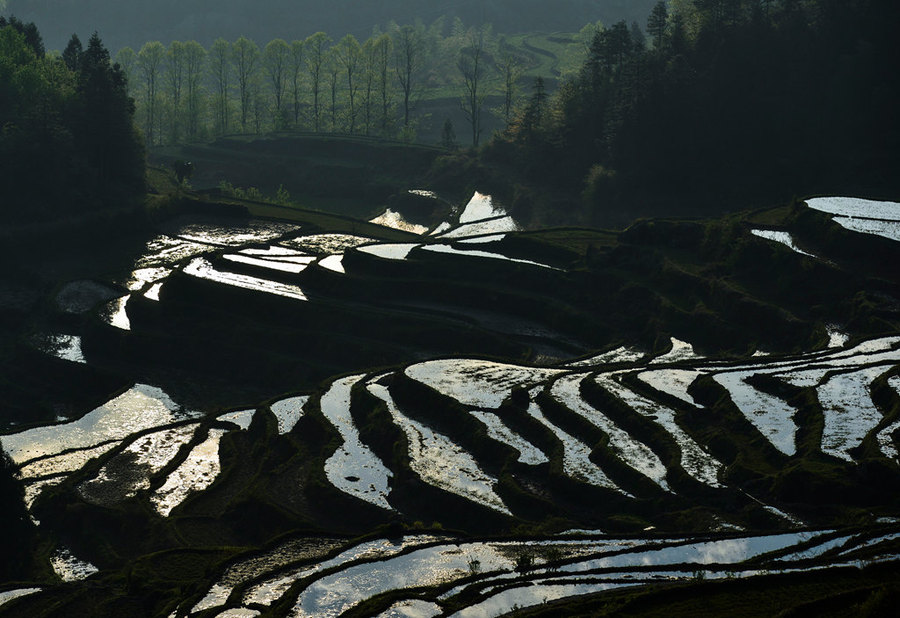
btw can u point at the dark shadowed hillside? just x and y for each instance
(132, 22)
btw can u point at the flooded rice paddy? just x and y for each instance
(141, 445)
(395, 220)
(197, 472)
(439, 461)
(861, 215)
(631, 451)
(784, 238)
(487, 578)
(353, 468)
(288, 411)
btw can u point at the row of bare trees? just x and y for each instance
(187, 93)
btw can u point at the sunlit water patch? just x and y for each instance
(482, 254)
(395, 220)
(816, 549)
(115, 314)
(130, 471)
(480, 240)
(143, 276)
(231, 236)
(784, 238)
(69, 568)
(633, 452)
(65, 347)
(674, 382)
(619, 355)
(242, 418)
(203, 269)
(849, 412)
(771, 415)
(195, 473)
(33, 490)
(168, 251)
(64, 463)
(724, 551)
(270, 590)
(441, 462)
(836, 338)
(294, 265)
(273, 252)
(499, 225)
(479, 207)
(681, 351)
(353, 468)
(529, 454)
(153, 291)
(142, 407)
(440, 228)
(326, 244)
(478, 383)
(8, 595)
(389, 251)
(334, 263)
(576, 455)
(695, 461)
(288, 411)
(856, 207)
(334, 594)
(885, 436)
(412, 608)
(239, 612)
(887, 229)
(245, 570)
(529, 595)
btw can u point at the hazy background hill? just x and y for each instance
(132, 22)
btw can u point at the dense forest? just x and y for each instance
(68, 141)
(731, 103)
(132, 22)
(703, 106)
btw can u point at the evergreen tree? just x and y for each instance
(72, 54)
(656, 23)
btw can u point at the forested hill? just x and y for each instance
(132, 22)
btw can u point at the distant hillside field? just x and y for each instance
(132, 22)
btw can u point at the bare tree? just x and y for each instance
(408, 59)
(383, 49)
(220, 66)
(369, 55)
(194, 57)
(348, 56)
(296, 76)
(510, 70)
(316, 47)
(472, 64)
(174, 82)
(127, 59)
(150, 59)
(276, 60)
(333, 68)
(246, 62)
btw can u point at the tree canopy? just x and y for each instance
(68, 141)
(736, 102)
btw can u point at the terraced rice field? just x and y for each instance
(644, 433)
